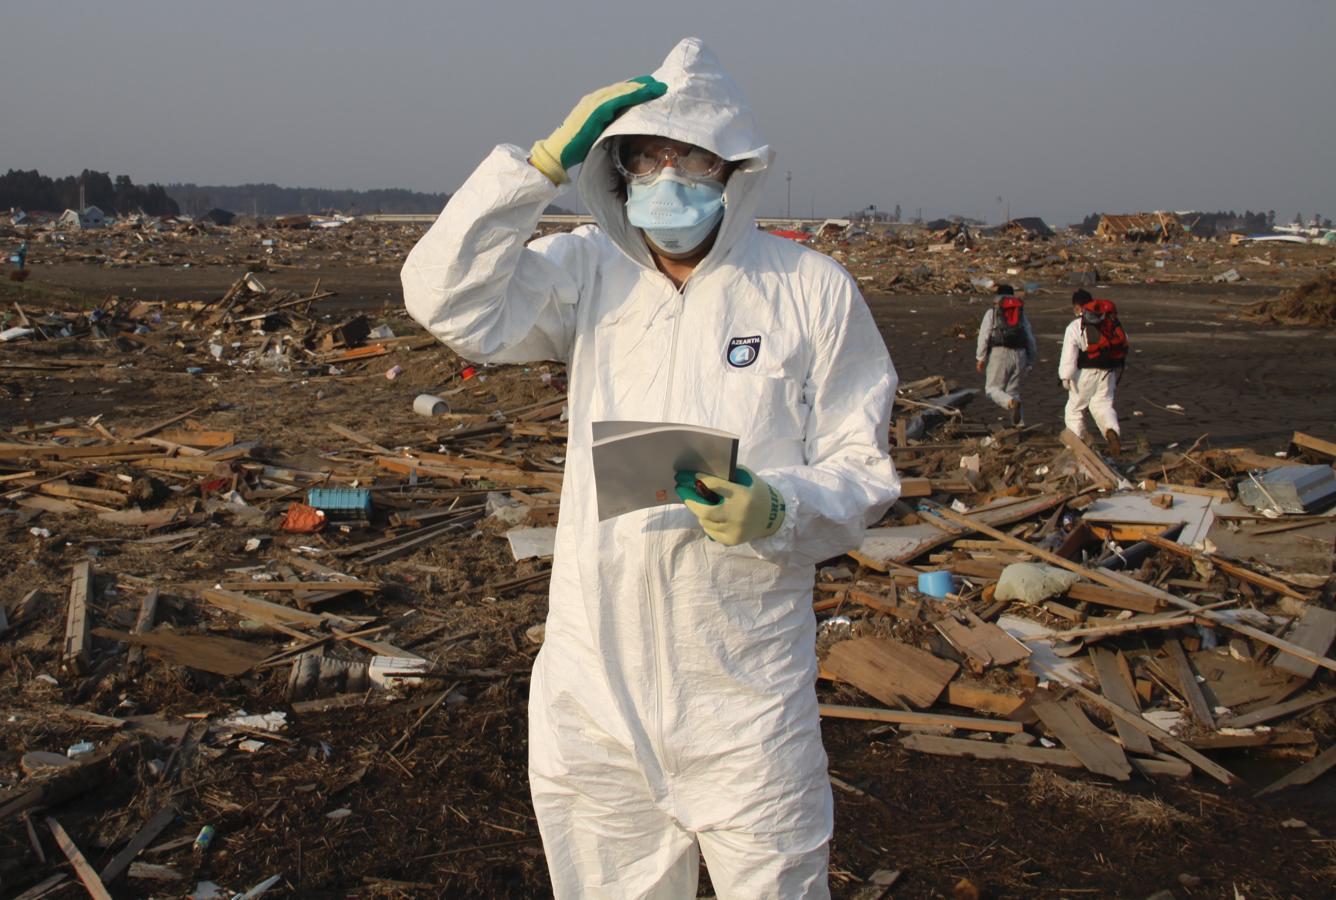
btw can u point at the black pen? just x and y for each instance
(705, 493)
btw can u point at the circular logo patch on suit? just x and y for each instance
(742, 351)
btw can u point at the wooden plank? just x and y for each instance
(1278, 710)
(77, 639)
(78, 492)
(198, 439)
(358, 438)
(220, 655)
(49, 504)
(1141, 623)
(1117, 687)
(365, 587)
(148, 610)
(145, 432)
(1090, 462)
(1314, 444)
(500, 474)
(271, 613)
(42, 888)
(1229, 568)
(883, 605)
(1097, 751)
(145, 836)
(1118, 599)
(1001, 646)
(958, 694)
(1306, 773)
(57, 451)
(1315, 630)
(946, 746)
(963, 638)
(86, 873)
(893, 672)
(1041, 756)
(1187, 682)
(905, 717)
(1115, 581)
(915, 487)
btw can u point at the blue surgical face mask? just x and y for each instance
(676, 213)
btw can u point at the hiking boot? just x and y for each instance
(1115, 445)
(1015, 407)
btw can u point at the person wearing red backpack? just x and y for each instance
(1007, 349)
(1094, 354)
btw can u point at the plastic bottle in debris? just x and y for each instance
(203, 839)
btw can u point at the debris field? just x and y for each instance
(265, 628)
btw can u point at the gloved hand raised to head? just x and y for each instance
(569, 144)
(732, 512)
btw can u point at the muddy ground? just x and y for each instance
(448, 814)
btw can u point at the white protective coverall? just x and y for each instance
(673, 701)
(1005, 365)
(1091, 389)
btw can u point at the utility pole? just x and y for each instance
(788, 203)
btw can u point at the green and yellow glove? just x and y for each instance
(738, 511)
(569, 145)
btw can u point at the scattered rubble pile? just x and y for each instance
(266, 245)
(961, 261)
(293, 654)
(1057, 600)
(1311, 303)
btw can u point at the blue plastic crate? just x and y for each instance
(341, 503)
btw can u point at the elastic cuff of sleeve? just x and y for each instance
(545, 162)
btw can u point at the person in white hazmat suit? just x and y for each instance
(1007, 349)
(673, 708)
(1089, 385)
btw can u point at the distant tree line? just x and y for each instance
(33, 190)
(272, 200)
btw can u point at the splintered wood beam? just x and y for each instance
(1314, 631)
(905, 717)
(148, 609)
(1097, 751)
(1305, 773)
(1229, 568)
(146, 835)
(1114, 681)
(87, 874)
(1187, 681)
(1089, 460)
(77, 638)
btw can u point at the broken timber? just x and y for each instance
(905, 717)
(77, 640)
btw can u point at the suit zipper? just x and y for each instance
(656, 599)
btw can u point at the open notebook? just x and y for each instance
(635, 463)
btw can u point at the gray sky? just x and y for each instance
(1059, 107)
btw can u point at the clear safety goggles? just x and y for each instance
(640, 161)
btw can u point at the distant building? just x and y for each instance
(219, 216)
(91, 217)
(1028, 228)
(1154, 228)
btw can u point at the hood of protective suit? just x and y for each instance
(703, 106)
